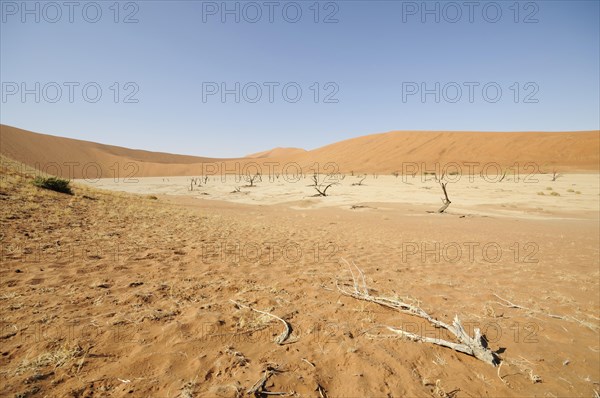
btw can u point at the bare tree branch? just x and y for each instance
(319, 186)
(445, 200)
(475, 346)
(360, 182)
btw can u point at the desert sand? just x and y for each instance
(127, 287)
(520, 195)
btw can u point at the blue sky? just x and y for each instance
(361, 66)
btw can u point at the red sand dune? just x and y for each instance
(377, 153)
(277, 153)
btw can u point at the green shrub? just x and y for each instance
(554, 194)
(53, 184)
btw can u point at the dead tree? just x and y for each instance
(321, 188)
(323, 191)
(445, 200)
(197, 181)
(315, 179)
(555, 175)
(360, 182)
(253, 178)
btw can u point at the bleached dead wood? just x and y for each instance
(587, 324)
(258, 388)
(284, 335)
(508, 304)
(321, 390)
(475, 346)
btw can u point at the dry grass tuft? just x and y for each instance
(56, 359)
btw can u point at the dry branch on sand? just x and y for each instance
(284, 335)
(508, 304)
(475, 346)
(258, 389)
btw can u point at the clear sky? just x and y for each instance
(361, 66)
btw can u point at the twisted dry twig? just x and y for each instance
(284, 335)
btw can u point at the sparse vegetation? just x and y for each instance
(56, 359)
(54, 184)
(571, 190)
